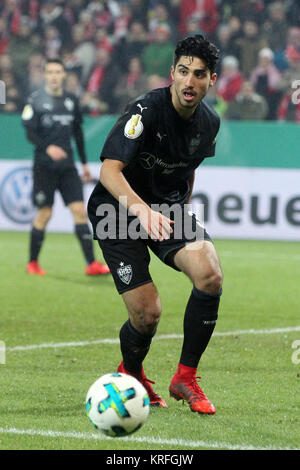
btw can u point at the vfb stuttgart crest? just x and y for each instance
(125, 273)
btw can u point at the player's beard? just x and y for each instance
(183, 103)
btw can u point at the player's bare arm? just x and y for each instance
(55, 152)
(156, 225)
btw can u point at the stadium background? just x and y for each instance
(115, 51)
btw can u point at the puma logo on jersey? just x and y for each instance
(141, 107)
(160, 136)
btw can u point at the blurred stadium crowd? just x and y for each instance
(116, 50)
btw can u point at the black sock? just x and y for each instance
(36, 241)
(134, 347)
(199, 322)
(84, 236)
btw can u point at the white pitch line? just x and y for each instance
(178, 443)
(70, 344)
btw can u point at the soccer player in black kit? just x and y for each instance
(51, 117)
(150, 157)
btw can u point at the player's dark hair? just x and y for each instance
(55, 60)
(198, 46)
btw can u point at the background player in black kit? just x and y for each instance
(150, 156)
(51, 117)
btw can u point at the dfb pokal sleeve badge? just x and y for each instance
(134, 127)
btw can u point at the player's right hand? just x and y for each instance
(56, 153)
(157, 225)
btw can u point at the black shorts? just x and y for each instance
(128, 259)
(47, 180)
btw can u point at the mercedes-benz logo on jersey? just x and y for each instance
(15, 195)
(125, 273)
(147, 160)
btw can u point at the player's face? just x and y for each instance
(54, 77)
(191, 81)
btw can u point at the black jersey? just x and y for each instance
(52, 120)
(161, 149)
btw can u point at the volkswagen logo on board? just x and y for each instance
(15, 195)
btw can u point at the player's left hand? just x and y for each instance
(86, 176)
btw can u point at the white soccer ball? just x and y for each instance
(117, 404)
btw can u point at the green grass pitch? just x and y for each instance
(247, 370)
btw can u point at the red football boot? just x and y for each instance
(34, 268)
(155, 399)
(184, 386)
(96, 268)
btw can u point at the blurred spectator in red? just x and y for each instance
(205, 10)
(249, 46)
(102, 40)
(289, 107)
(101, 13)
(31, 8)
(230, 81)
(131, 84)
(293, 37)
(247, 105)
(265, 78)
(121, 23)
(103, 79)
(10, 11)
(157, 56)
(3, 36)
(86, 20)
